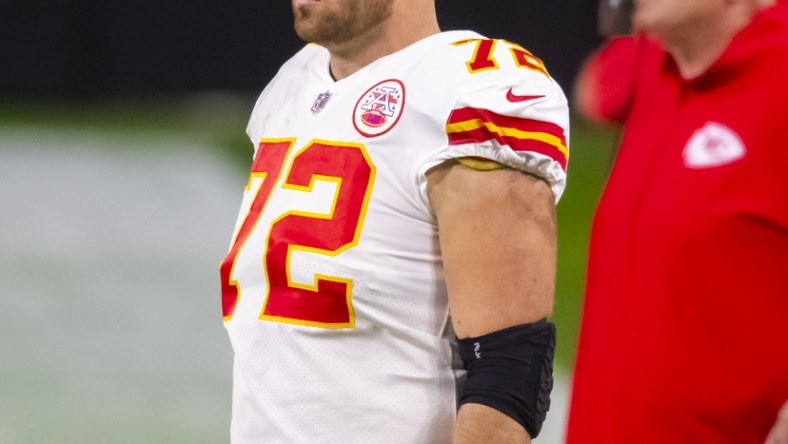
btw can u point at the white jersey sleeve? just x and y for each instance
(508, 110)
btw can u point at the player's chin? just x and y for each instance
(305, 30)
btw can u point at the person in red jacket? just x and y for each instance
(684, 335)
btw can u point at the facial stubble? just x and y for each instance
(353, 19)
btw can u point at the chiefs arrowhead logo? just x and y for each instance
(712, 145)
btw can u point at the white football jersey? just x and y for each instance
(333, 289)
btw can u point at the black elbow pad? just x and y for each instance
(511, 370)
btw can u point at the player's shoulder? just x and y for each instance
(464, 62)
(480, 74)
(502, 104)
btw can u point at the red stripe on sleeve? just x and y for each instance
(490, 121)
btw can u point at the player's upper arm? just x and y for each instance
(498, 239)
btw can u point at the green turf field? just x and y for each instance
(114, 217)
(591, 156)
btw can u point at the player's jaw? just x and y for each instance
(334, 22)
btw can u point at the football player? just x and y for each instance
(392, 267)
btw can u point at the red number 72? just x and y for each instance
(483, 59)
(327, 303)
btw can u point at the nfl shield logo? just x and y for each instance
(320, 102)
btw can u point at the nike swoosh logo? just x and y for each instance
(512, 97)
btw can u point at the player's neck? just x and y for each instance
(382, 40)
(695, 50)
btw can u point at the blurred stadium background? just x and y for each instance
(122, 157)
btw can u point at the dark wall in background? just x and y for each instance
(114, 48)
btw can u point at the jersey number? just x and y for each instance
(327, 301)
(483, 59)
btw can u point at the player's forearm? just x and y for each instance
(479, 424)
